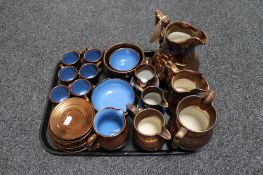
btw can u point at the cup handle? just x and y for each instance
(138, 87)
(86, 98)
(164, 103)
(133, 110)
(81, 54)
(197, 74)
(207, 99)
(61, 66)
(172, 66)
(99, 65)
(128, 74)
(165, 134)
(180, 65)
(142, 84)
(178, 137)
(69, 86)
(146, 60)
(90, 141)
(94, 147)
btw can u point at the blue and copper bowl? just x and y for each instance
(115, 93)
(123, 58)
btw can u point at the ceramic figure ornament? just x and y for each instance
(177, 44)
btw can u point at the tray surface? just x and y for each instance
(130, 149)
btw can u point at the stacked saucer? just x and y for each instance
(70, 124)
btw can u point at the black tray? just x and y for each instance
(130, 149)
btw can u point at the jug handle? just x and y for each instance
(161, 21)
(133, 110)
(90, 141)
(178, 137)
(207, 99)
(172, 66)
(138, 87)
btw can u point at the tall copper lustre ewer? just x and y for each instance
(177, 45)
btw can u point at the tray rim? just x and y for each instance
(50, 149)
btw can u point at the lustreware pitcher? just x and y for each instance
(177, 44)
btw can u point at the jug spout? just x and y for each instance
(183, 34)
(190, 82)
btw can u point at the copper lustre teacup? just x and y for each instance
(90, 71)
(59, 94)
(67, 74)
(92, 55)
(80, 88)
(71, 58)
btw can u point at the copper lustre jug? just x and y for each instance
(177, 44)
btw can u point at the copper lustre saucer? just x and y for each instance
(72, 119)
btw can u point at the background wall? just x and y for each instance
(35, 34)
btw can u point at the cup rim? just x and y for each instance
(136, 71)
(86, 65)
(91, 49)
(73, 62)
(160, 90)
(65, 68)
(81, 79)
(58, 87)
(147, 109)
(177, 114)
(113, 136)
